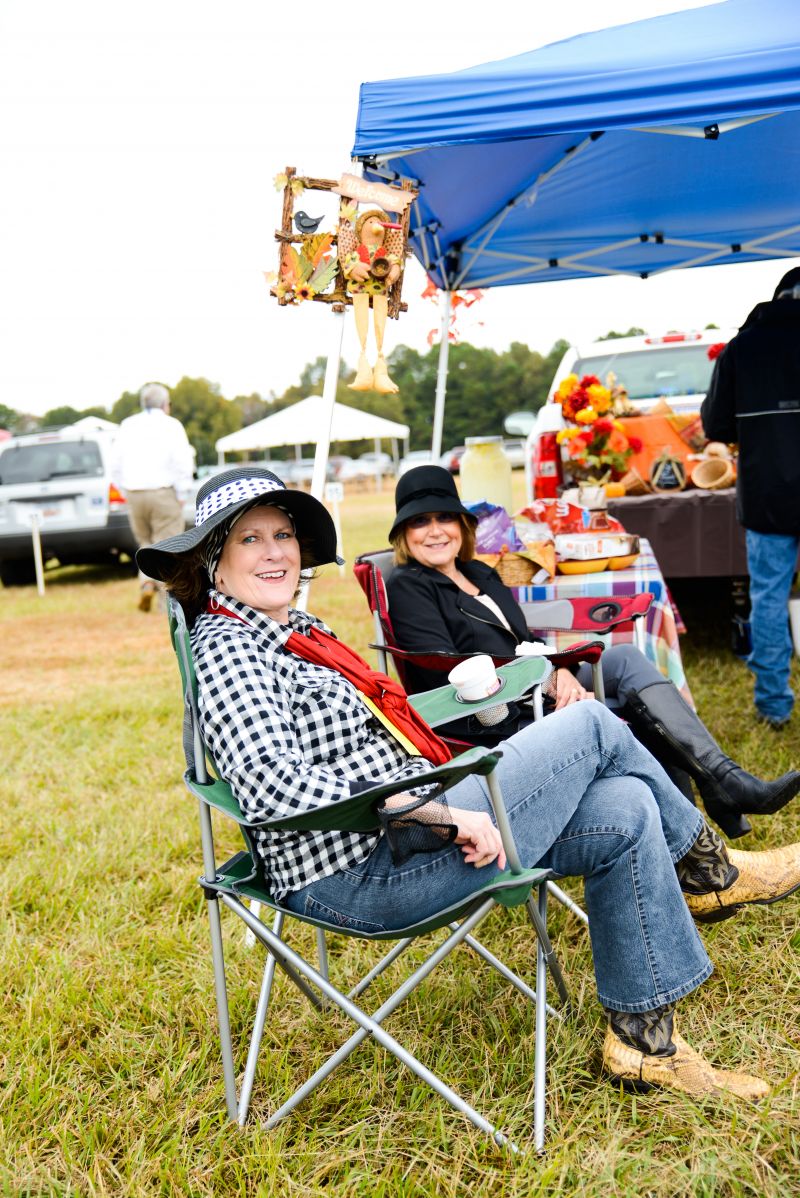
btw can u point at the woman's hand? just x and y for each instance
(479, 838)
(569, 690)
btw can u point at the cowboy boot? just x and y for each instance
(716, 881)
(728, 791)
(643, 1051)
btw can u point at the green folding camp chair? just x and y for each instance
(241, 879)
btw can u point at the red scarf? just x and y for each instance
(324, 650)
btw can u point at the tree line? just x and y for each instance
(483, 387)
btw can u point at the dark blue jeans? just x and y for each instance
(586, 799)
(771, 561)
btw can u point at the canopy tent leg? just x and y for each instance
(324, 442)
(441, 380)
(328, 394)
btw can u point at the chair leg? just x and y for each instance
(505, 972)
(597, 682)
(371, 1025)
(378, 969)
(249, 938)
(322, 953)
(562, 897)
(550, 958)
(540, 1038)
(260, 1020)
(223, 1016)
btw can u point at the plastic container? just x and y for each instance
(486, 472)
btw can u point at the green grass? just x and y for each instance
(110, 1063)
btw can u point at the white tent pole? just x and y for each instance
(441, 380)
(329, 394)
(324, 442)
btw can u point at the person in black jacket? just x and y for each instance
(754, 398)
(442, 600)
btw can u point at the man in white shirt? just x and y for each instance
(152, 463)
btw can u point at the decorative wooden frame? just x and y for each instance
(339, 297)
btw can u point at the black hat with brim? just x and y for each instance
(426, 489)
(230, 493)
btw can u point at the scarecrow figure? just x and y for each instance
(371, 260)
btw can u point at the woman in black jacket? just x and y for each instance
(442, 600)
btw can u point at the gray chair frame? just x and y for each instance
(240, 880)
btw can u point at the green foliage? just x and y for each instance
(8, 418)
(483, 387)
(66, 415)
(632, 332)
(126, 405)
(204, 414)
(251, 408)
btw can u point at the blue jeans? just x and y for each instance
(586, 799)
(771, 561)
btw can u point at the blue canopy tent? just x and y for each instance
(668, 143)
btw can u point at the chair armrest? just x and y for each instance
(356, 813)
(593, 614)
(519, 676)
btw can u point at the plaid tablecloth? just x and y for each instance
(662, 625)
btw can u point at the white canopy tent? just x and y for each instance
(306, 423)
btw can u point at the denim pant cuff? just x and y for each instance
(659, 998)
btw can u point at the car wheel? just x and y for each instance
(18, 573)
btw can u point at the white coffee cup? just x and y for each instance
(475, 678)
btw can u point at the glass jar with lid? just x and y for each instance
(486, 472)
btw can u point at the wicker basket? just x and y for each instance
(713, 474)
(514, 570)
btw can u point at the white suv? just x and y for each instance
(675, 366)
(61, 479)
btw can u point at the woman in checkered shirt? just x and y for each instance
(584, 798)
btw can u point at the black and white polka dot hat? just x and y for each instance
(227, 495)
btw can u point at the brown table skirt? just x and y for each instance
(694, 533)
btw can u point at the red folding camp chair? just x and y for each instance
(598, 615)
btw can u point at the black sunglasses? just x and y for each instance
(428, 518)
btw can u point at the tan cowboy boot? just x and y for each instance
(685, 1071)
(762, 878)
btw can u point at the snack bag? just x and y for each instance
(495, 532)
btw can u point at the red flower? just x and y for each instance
(715, 350)
(635, 444)
(603, 426)
(590, 380)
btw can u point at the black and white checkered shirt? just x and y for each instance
(288, 736)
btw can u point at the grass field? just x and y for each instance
(112, 1084)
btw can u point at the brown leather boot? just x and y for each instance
(147, 594)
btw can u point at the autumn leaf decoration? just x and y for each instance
(308, 271)
(297, 185)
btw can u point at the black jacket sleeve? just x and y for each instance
(418, 621)
(718, 410)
